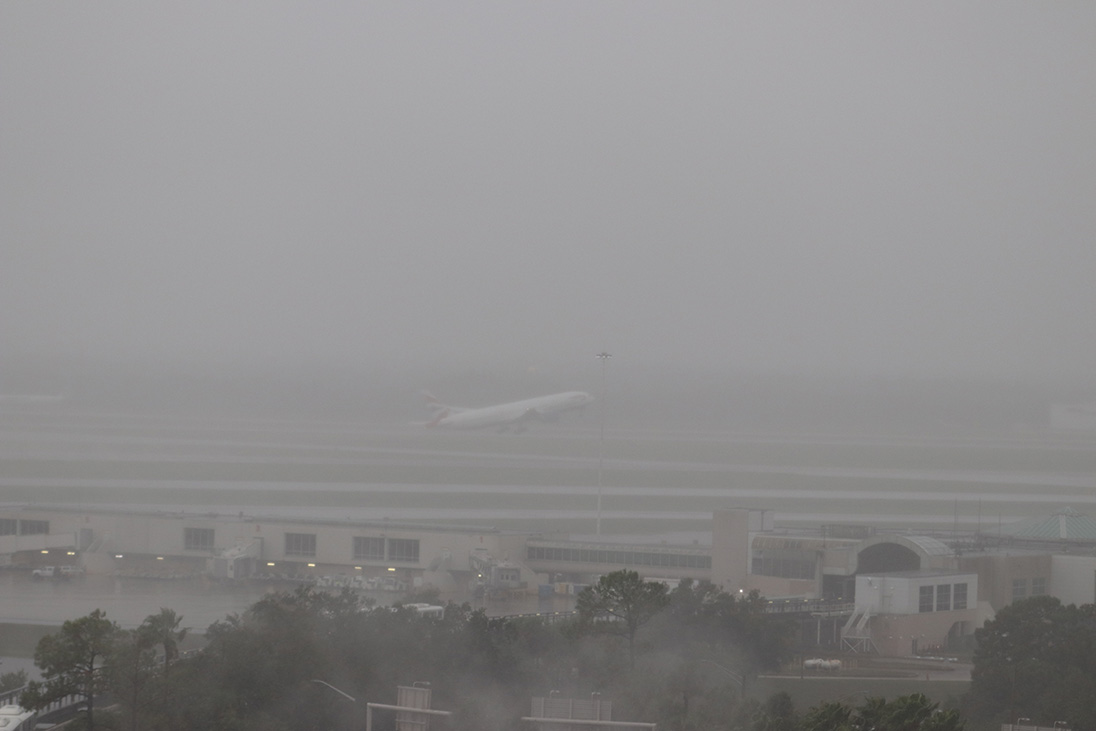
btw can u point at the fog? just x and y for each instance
(282, 202)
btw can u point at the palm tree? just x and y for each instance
(163, 629)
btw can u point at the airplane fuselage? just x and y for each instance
(541, 408)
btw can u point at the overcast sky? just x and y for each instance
(885, 188)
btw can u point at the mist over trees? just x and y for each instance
(259, 670)
(684, 659)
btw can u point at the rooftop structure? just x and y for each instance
(1064, 524)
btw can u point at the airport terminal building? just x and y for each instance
(891, 593)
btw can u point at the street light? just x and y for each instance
(604, 357)
(344, 695)
(733, 675)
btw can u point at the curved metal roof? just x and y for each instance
(930, 546)
(923, 545)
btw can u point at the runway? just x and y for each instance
(543, 481)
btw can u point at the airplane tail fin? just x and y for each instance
(432, 402)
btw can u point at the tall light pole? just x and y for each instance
(741, 680)
(344, 695)
(604, 358)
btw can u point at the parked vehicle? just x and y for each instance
(57, 572)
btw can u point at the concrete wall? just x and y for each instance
(1073, 579)
(38, 542)
(731, 548)
(150, 535)
(997, 571)
(904, 635)
(775, 586)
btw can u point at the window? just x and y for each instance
(1019, 589)
(1038, 586)
(8, 526)
(788, 568)
(403, 549)
(368, 549)
(804, 569)
(33, 527)
(198, 539)
(924, 599)
(959, 596)
(943, 597)
(300, 544)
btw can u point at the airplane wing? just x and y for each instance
(438, 416)
(530, 415)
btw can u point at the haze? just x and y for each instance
(856, 189)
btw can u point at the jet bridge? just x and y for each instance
(494, 577)
(238, 562)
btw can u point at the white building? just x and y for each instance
(911, 612)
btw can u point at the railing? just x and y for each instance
(808, 606)
(544, 616)
(779, 606)
(11, 697)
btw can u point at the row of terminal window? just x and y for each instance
(626, 558)
(942, 597)
(1020, 587)
(364, 548)
(783, 567)
(14, 527)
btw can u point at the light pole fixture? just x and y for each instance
(344, 695)
(736, 677)
(604, 357)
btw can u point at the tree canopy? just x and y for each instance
(620, 603)
(906, 713)
(273, 666)
(1036, 659)
(71, 662)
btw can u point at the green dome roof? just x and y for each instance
(1065, 524)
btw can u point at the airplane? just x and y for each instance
(516, 414)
